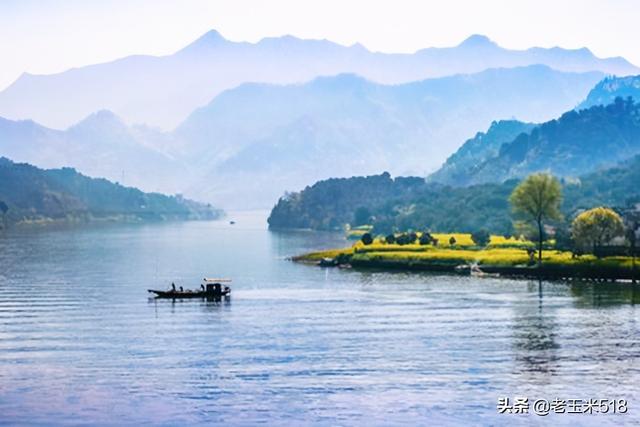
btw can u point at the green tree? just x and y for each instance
(537, 199)
(564, 239)
(596, 227)
(481, 237)
(367, 239)
(406, 238)
(426, 238)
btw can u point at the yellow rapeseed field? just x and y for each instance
(500, 252)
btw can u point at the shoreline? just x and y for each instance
(511, 262)
(46, 222)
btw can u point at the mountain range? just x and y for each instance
(292, 135)
(161, 91)
(579, 142)
(101, 145)
(220, 118)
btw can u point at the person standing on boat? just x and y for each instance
(181, 290)
(173, 286)
(202, 287)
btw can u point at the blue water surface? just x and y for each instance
(81, 342)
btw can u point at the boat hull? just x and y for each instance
(188, 295)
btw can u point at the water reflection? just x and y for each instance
(534, 335)
(211, 303)
(604, 294)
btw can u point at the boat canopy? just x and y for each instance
(213, 280)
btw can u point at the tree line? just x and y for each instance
(535, 204)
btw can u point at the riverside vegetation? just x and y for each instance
(481, 191)
(534, 201)
(506, 255)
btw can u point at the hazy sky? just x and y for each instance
(48, 36)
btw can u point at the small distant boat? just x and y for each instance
(232, 222)
(212, 289)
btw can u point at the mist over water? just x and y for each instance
(81, 342)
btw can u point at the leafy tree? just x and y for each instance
(367, 238)
(391, 239)
(426, 238)
(481, 237)
(402, 239)
(362, 216)
(564, 239)
(452, 241)
(406, 238)
(537, 199)
(596, 227)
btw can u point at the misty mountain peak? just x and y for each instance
(102, 119)
(359, 47)
(211, 38)
(476, 41)
(163, 91)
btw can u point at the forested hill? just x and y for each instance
(577, 143)
(460, 165)
(412, 203)
(28, 194)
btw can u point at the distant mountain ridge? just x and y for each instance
(163, 91)
(36, 195)
(293, 135)
(100, 145)
(578, 142)
(343, 125)
(606, 91)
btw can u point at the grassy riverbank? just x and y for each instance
(504, 256)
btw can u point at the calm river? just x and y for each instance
(82, 343)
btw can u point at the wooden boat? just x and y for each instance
(213, 289)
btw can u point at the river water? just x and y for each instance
(82, 343)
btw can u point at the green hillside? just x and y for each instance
(475, 151)
(413, 203)
(577, 143)
(31, 194)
